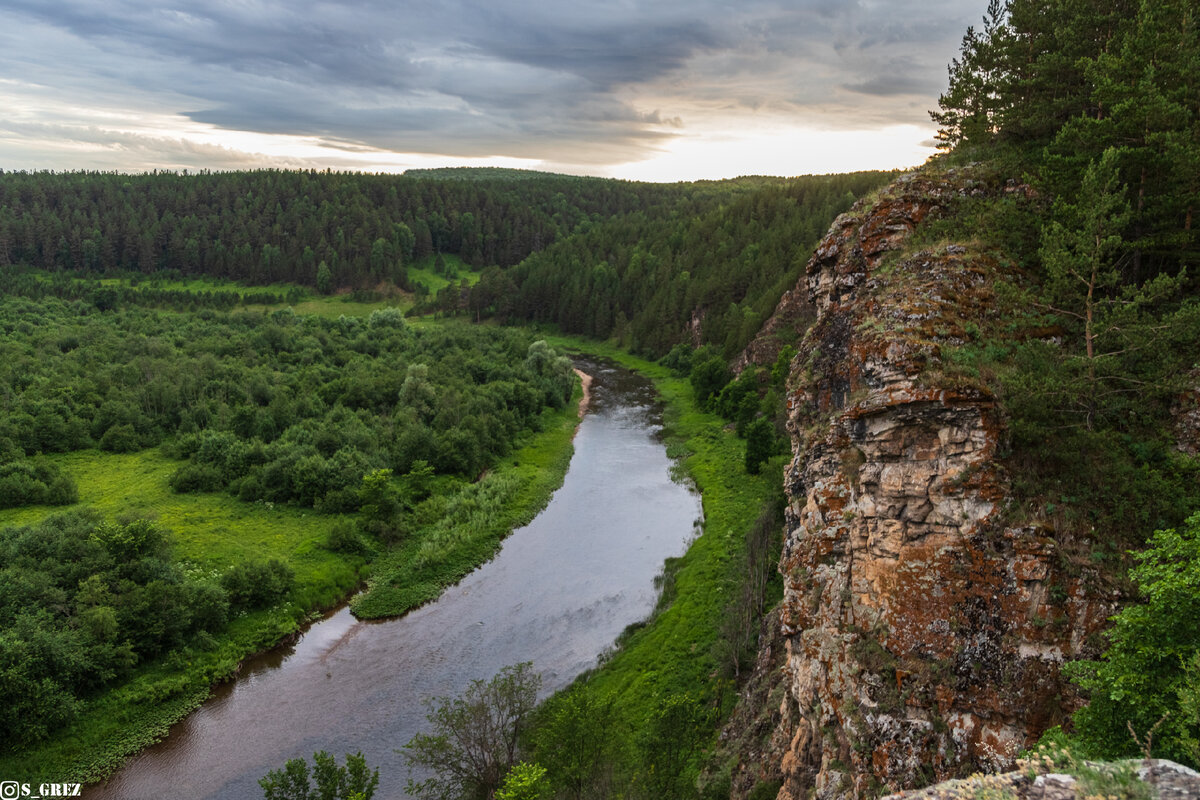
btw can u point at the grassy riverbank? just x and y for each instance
(664, 679)
(212, 531)
(465, 529)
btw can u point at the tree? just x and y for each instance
(668, 743)
(324, 278)
(475, 736)
(760, 441)
(971, 104)
(1083, 253)
(577, 740)
(1152, 667)
(295, 782)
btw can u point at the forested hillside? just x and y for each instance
(268, 226)
(678, 274)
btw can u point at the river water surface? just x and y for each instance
(558, 594)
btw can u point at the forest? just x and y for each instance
(273, 226)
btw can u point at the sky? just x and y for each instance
(659, 90)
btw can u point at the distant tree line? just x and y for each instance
(274, 226)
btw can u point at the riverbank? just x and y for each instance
(130, 716)
(673, 659)
(559, 593)
(474, 522)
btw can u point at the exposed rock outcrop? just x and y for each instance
(1165, 779)
(923, 635)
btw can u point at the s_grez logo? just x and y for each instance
(12, 790)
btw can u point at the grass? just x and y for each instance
(213, 531)
(422, 272)
(672, 653)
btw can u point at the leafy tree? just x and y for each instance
(524, 782)
(351, 781)
(760, 444)
(668, 743)
(578, 739)
(475, 736)
(708, 378)
(324, 279)
(1151, 670)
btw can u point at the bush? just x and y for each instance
(196, 478)
(344, 538)
(120, 439)
(255, 584)
(1151, 673)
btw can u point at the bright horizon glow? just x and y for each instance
(641, 90)
(108, 141)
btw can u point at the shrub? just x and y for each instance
(196, 478)
(1150, 674)
(120, 439)
(255, 584)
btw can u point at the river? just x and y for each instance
(558, 594)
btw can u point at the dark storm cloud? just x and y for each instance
(491, 77)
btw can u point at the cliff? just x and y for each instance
(923, 630)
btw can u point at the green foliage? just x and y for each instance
(578, 737)
(674, 731)
(760, 444)
(709, 267)
(35, 482)
(295, 781)
(475, 736)
(83, 602)
(1152, 666)
(708, 378)
(278, 407)
(524, 782)
(257, 584)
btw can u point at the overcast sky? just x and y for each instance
(642, 89)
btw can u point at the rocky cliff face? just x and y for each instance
(923, 634)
